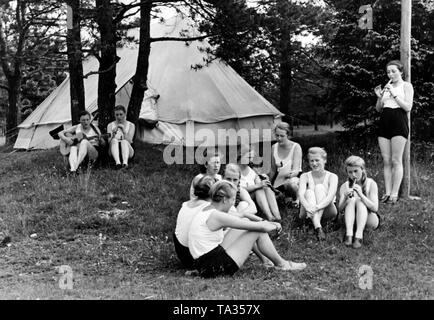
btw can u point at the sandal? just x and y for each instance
(392, 200)
(385, 198)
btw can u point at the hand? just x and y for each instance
(311, 210)
(349, 194)
(277, 227)
(265, 183)
(391, 89)
(69, 141)
(121, 126)
(378, 91)
(358, 189)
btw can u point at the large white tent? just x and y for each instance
(213, 97)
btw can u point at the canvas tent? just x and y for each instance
(213, 97)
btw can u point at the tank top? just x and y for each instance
(311, 182)
(366, 190)
(119, 134)
(249, 179)
(201, 239)
(183, 221)
(389, 101)
(284, 166)
(92, 134)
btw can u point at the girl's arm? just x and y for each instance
(130, 134)
(302, 190)
(245, 196)
(70, 131)
(333, 188)
(273, 171)
(258, 185)
(379, 105)
(296, 161)
(371, 200)
(218, 220)
(343, 199)
(195, 179)
(407, 102)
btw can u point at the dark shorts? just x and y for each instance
(183, 253)
(393, 122)
(216, 263)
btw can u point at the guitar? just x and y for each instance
(77, 138)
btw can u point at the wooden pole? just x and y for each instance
(405, 50)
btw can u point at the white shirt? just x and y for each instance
(201, 239)
(183, 221)
(389, 101)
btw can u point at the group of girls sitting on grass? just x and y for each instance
(217, 229)
(85, 141)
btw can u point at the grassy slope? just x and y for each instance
(136, 260)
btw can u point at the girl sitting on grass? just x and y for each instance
(188, 210)
(318, 191)
(260, 190)
(359, 200)
(212, 165)
(121, 137)
(218, 253)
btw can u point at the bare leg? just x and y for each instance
(272, 203)
(82, 151)
(261, 200)
(372, 221)
(350, 216)
(320, 193)
(361, 218)
(398, 146)
(126, 151)
(385, 148)
(73, 155)
(114, 150)
(240, 247)
(310, 197)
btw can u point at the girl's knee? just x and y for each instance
(372, 222)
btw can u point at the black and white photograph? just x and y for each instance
(217, 158)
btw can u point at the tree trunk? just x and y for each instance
(285, 59)
(12, 109)
(141, 75)
(108, 60)
(73, 42)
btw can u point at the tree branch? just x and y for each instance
(103, 71)
(180, 39)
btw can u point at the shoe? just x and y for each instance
(118, 166)
(348, 241)
(392, 200)
(295, 204)
(385, 198)
(320, 235)
(357, 243)
(291, 266)
(73, 173)
(124, 166)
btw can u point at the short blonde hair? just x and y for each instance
(221, 190)
(232, 167)
(283, 126)
(355, 161)
(317, 150)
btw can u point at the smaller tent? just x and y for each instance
(192, 102)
